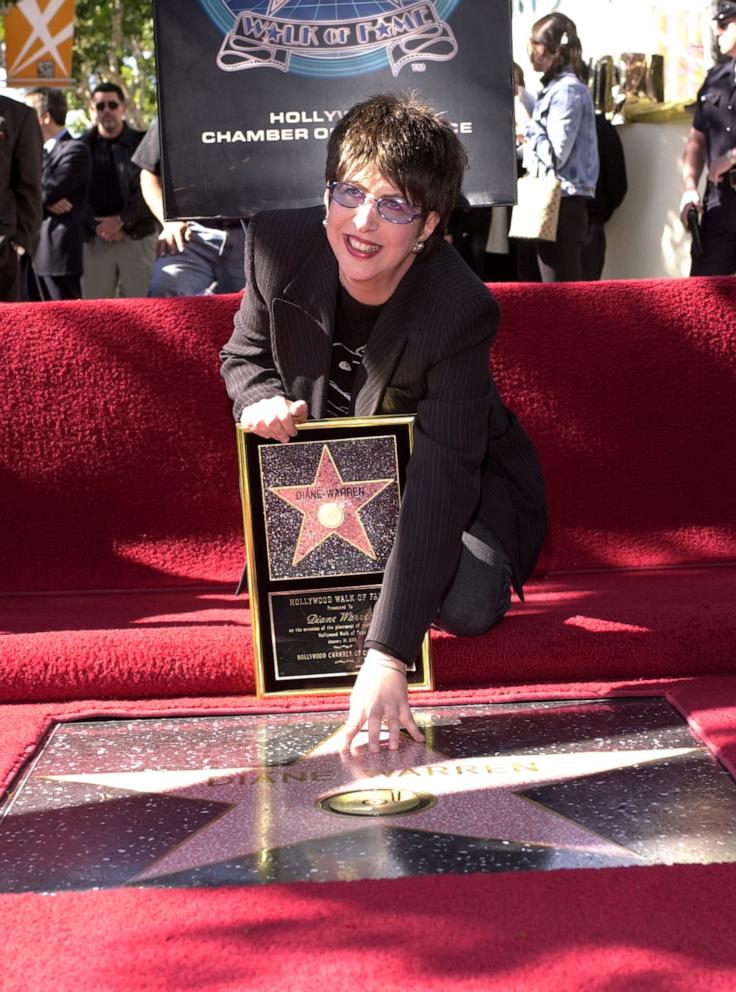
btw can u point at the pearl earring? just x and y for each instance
(324, 222)
(419, 246)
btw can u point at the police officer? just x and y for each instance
(712, 141)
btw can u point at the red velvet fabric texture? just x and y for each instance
(664, 929)
(606, 625)
(626, 388)
(118, 472)
(118, 462)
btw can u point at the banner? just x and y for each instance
(38, 43)
(249, 91)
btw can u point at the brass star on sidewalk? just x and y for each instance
(329, 505)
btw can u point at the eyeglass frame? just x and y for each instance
(109, 104)
(378, 200)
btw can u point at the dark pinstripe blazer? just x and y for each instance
(428, 354)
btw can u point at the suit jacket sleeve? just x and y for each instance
(26, 182)
(70, 179)
(248, 366)
(443, 485)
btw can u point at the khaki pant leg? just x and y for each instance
(100, 275)
(135, 261)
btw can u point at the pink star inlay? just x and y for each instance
(329, 505)
(269, 807)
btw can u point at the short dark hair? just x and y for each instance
(559, 35)
(109, 88)
(47, 100)
(409, 144)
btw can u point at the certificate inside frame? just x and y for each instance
(279, 589)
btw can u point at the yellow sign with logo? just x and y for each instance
(38, 43)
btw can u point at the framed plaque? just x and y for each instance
(320, 516)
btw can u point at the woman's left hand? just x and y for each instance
(380, 695)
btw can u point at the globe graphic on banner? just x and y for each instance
(316, 10)
(332, 37)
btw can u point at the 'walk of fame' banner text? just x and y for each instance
(249, 91)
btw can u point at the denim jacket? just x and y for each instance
(561, 136)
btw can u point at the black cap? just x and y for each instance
(726, 10)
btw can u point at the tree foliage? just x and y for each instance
(113, 42)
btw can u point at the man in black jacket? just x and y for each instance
(711, 147)
(66, 172)
(20, 193)
(121, 231)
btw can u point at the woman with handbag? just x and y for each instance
(559, 139)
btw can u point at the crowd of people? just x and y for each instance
(84, 217)
(558, 133)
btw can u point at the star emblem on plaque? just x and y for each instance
(330, 506)
(320, 516)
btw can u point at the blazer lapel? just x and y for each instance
(304, 320)
(387, 342)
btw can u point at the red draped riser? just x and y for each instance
(121, 541)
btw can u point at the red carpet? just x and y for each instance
(656, 928)
(666, 929)
(120, 541)
(626, 388)
(600, 625)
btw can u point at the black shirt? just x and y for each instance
(104, 189)
(148, 153)
(715, 113)
(353, 324)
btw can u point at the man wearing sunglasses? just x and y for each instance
(120, 230)
(712, 145)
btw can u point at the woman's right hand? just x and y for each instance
(274, 418)
(380, 695)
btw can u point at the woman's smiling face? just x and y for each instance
(373, 254)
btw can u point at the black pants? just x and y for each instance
(557, 261)
(593, 255)
(718, 233)
(480, 592)
(10, 276)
